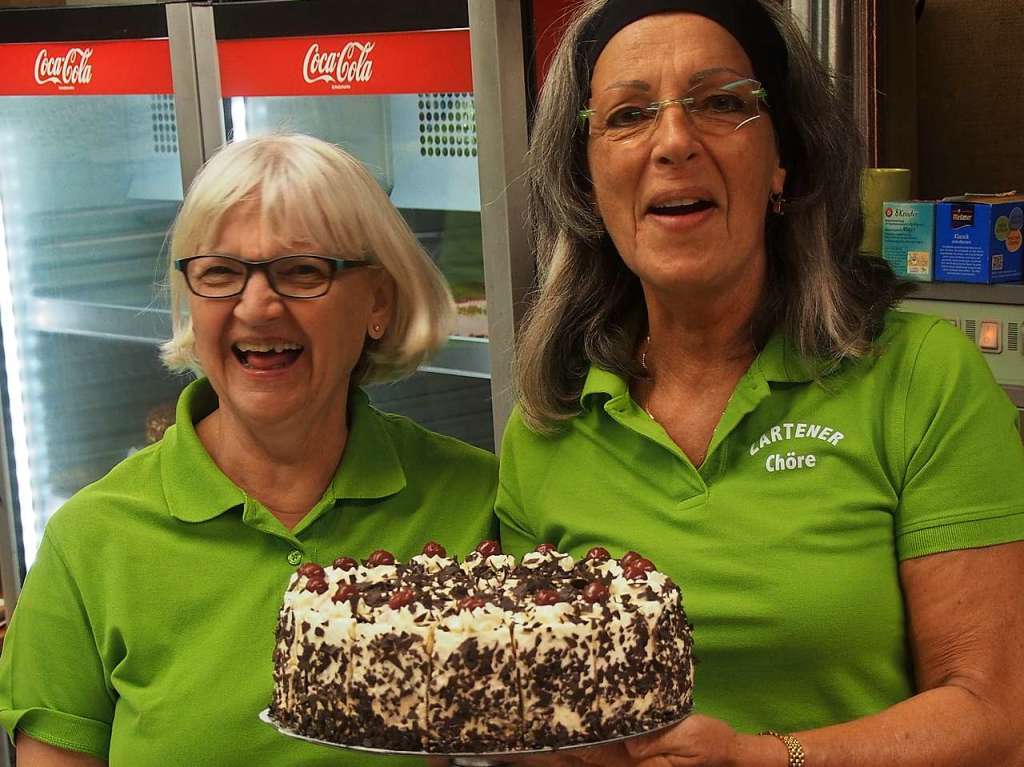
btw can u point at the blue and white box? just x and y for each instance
(978, 238)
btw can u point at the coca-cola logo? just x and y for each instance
(67, 71)
(352, 64)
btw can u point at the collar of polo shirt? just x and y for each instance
(198, 491)
(779, 361)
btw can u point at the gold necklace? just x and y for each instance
(643, 364)
(697, 460)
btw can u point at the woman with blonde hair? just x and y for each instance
(713, 376)
(145, 631)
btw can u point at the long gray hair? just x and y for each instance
(589, 308)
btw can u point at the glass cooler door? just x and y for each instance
(392, 84)
(89, 183)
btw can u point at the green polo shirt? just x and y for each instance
(145, 630)
(786, 541)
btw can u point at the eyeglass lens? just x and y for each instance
(293, 276)
(716, 106)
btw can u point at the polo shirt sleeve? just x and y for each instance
(517, 536)
(963, 484)
(52, 680)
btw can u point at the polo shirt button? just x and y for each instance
(294, 557)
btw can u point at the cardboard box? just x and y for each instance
(978, 238)
(908, 238)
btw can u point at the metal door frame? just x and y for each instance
(195, 71)
(500, 89)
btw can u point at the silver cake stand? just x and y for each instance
(490, 759)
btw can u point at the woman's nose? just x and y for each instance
(674, 137)
(258, 302)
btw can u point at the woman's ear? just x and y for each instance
(382, 309)
(778, 180)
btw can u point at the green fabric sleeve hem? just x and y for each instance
(952, 520)
(68, 732)
(962, 535)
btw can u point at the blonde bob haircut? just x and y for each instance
(312, 192)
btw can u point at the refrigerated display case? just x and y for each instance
(89, 183)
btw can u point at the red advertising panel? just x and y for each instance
(550, 18)
(97, 68)
(331, 65)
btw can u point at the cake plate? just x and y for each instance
(491, 759)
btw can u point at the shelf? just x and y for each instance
(461, 356)
(1011, 293)
(115, 323)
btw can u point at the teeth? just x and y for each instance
(682, 201)
(277, 346)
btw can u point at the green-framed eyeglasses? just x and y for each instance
(715, 107)
(300, 275)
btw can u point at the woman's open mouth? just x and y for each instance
(681, 207)
(276, 356)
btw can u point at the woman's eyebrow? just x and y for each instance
(637, 85)
(695, 78)
(706, 73)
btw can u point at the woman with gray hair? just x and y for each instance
(712, 375)
(145, 631)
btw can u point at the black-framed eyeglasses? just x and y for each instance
(300, 275)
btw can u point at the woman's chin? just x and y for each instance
(685, 270)
(266, 410)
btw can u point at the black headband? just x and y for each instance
(746, 20)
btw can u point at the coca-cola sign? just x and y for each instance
(339, 68)
(86, 68)
(377, 63)
(65, 71)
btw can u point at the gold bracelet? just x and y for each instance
(793, 746)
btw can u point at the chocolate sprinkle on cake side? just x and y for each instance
(482, 655)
